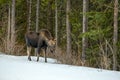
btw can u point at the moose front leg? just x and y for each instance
(29, 53)
(45, 55)
(37, 57)
(38, 53)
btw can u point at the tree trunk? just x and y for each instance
(56, 23)
(37, 20)
(85, 25)
(37, 15)
(68, 28)
(13, 36)
(115, 35)
(29, 14)
(8, 31)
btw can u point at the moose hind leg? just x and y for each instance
(28, 53)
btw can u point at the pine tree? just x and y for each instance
(115, 35)
(37, 15)
(85, 25)
(8, 30)
(13, 34)
(68, 28)
(56, 23)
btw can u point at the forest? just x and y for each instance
(86, 31)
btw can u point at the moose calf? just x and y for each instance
(41, 40)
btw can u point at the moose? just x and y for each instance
(40, 40)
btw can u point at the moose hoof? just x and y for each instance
(29, 59)
(37, 60)
(45, 61)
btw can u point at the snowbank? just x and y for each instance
(19, 68)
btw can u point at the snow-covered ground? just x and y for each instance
(19, 68)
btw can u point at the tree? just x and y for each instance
(29, 14)
(68, 28)
(13, 34)
(56, 23)
(37, 19)
(37, 15)
(8, 30)
(85, 25)
(115, 34)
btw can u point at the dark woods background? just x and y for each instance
(87, 31)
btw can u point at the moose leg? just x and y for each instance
(37, 57)
(45, 55)
(38, 52)
(28, 53)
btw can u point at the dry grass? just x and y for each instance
(61, 56)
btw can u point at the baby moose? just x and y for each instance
(41, 40)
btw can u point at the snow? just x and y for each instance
(19, 68)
